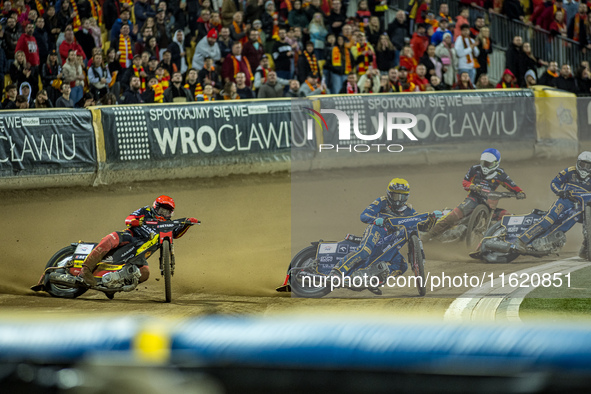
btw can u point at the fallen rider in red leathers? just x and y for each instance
(162, 209)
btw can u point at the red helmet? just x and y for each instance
(163, 207)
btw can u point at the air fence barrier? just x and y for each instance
(290, 354)
(114, 144)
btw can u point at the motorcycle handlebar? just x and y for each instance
(498, 195)
(181, 221)
(576, 195)
(188, 222)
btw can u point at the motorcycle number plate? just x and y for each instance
(83, 249)
(327, 248)
(514, 220)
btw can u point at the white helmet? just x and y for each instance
(490, 160)
(584, 164)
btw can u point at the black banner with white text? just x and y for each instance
(441, 117)
(42, 142)
(209, 132)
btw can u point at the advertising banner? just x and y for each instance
(438, 118)
(208, 132)
(41, 142)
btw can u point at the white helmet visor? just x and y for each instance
(584, 165)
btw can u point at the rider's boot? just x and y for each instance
(86, 273)
(519, 246)
(95, 256)
(89, 265)
(444, 224)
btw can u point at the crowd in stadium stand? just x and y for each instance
(80, 53)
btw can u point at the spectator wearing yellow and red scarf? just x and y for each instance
(364, 54)
(235, 63)
(238, 29)
(308, 63)
(154, 93)
(577, 28)
(340, 64)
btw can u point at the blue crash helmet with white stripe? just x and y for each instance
(490, 159)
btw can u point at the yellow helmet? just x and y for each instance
(398, 191)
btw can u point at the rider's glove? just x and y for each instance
(520, 195)
(429, 223)
(568, 194)
(475, 188)
(193, 220)
(137, 222)
(379, 222)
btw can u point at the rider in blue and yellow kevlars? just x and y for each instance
(578, 175)
(393, 204)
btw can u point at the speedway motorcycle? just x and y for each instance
(118, 270)
(495, 247)
(308, 272)
(471, 228)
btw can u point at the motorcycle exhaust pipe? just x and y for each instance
(63, 279)
(496, 246)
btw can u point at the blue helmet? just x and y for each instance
(490, 159)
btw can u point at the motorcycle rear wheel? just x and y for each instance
(477, 225)
(301, 261)
(61, 291)
(417, 262)
(166, 270)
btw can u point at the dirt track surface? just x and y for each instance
(252, 225)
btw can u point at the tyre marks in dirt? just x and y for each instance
(500, 301)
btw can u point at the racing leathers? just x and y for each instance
(380, 209)
(475, 182)
(565, 201)
(136, 231)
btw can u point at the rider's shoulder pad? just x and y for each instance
(379, 200)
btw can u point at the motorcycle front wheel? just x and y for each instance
(60, 259)
(166, 272)
(300, 287)
(416, 257)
